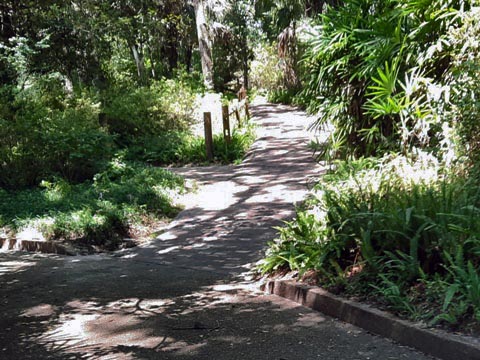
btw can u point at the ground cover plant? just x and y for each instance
(393, 229)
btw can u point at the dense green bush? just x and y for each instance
(47, 132)
(165, 105)
(176, 147)
(375, 70)
(403, 231)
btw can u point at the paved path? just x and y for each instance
(186, 294)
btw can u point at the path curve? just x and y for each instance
(186, 294)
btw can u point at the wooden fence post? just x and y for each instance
(207, 122)
(237, 115)
(226, 124)
(247, 110)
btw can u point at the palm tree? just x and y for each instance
(284, 15)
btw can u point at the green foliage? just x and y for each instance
(163, 106)
(282, 96)
(266, 73)
(298, 247)
(392, 226)
(275, 76)
(181, 148)
(119, 198)
(80, 83)
(234, 33)
(275, 16)
(463, 293)
(377, 104)
(47, 132)
(461, 85)
(99, 42)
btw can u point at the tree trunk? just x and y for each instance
(172, 57)
(204, 43)
(246, 83)
(139, 63)
(296, 80)
(188, 58)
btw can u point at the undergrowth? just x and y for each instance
(180, 148)
(403, 233)
(98, 212)
(128, 193)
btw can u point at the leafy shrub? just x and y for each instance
(128, 113)
(177, 101)
(282, 96)
(265, 72)
(175, 147)
(397, 227)
(163, 106)
(378, 104)
(46, 132)
(461, 82)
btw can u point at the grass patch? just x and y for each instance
(98, 212)
(401, 233)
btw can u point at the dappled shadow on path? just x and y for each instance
(116, 311)
(113, 310)
(184, 295)
(231, 220)
(226, 226)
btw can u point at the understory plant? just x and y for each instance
(45, 132)
(384, 73)
(120, 198)
(404, 231)
(182, 147)
(396, 220)
(131, 112)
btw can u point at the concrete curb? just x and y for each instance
(432, 342)
(47, 247)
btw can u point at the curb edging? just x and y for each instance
(432, 342)
(35, 246)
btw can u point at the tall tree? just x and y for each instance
(243, 29)
(204, 42)
(279, 19)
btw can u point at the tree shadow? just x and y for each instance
(185, 294)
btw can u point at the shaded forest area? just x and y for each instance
(95, 94)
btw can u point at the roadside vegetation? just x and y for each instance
(98, 98)
(95, 99)
(396, 219)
